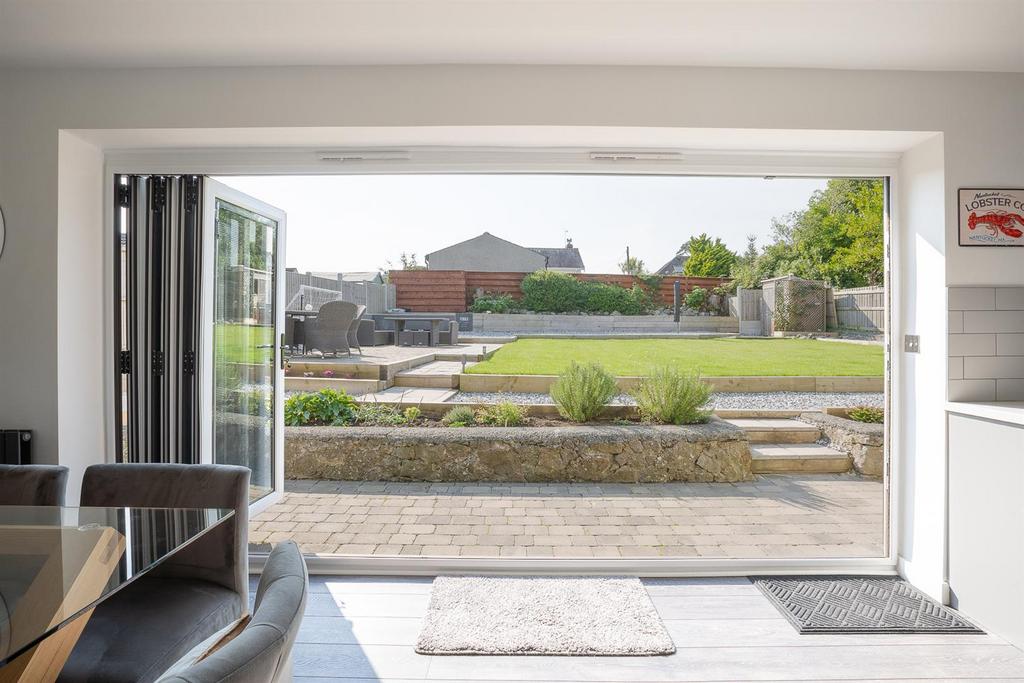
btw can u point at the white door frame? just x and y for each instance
(212, 191)
(536, 160)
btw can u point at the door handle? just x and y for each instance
(281, 350)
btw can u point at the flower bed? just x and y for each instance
(629, 453)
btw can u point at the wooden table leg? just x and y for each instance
(49, 600)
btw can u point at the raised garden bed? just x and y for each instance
(864, 442)
(553, 452)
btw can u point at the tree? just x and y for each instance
(633, 266)
(838, 237)
(708, 258)
(409, 262)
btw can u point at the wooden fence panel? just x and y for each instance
(430, 290)
(862, 308)
(438, 290)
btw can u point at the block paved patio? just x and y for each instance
(776, 516)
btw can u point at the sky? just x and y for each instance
(360, 223)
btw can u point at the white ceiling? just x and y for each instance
(964, 35)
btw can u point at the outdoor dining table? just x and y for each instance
(435, 325)
(58, 563)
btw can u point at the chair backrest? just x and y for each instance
(222, 554)
(353, 327)
(262, 651)
(336, 315)
(32, 484)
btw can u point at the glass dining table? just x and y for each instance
(58, 563)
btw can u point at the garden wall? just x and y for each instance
(864, 442)
(713, 452)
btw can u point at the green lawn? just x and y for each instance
(236, 343)
(713, 357)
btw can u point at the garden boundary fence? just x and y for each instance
(454, 290)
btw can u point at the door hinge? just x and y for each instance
(159, 193)
(188, 363)
(158, 362)
(124, 195)
(191, 193)
(124, 362)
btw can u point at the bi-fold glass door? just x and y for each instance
(199, 283)
(243, 326)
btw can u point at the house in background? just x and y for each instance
(488, 253)
(565, 259)
(372, 276)
(675, 266)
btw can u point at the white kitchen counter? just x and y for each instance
(1002, 411)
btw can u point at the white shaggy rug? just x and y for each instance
(542, 615)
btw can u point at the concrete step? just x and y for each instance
(408, 396)
(355, 387)
(440, 374)
(776, 430)
(777, 458)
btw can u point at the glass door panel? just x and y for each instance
(245, 377)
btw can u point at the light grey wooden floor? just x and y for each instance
(363, 629)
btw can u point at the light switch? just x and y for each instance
(912, 343)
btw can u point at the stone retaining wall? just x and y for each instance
(713, 452)
(864, 442)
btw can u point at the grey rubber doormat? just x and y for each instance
(859, 604)
(542, 615)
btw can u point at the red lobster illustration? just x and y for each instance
(997, 220)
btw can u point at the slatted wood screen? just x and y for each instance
(454, 290)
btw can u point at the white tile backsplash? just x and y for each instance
(986, 343)
(1010, 344)
(1010, 389)
(994, 367)
(972, 298)
(972, 345)
(1010, 299)
(993, 321)
(956, 322)
(956, 368)
(972, 390)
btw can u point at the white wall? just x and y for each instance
(977, 114)
(920, 450)
(82, 363)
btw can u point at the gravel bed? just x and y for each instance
(765, 400)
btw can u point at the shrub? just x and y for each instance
(551, 291)
(411, 414)
(697, 299)
(503, 414)
(325, 407)
(378, 415)
(459, 416)
(867, 414)
(494, 303)
(670, 396)
(554, 292)
(582, 390)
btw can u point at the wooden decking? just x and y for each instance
(363, 629)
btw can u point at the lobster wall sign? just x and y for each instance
(991, 218)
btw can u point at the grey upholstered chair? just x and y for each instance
(329, 331)
(353, 328)
(32, 484)
(136, 634)
(261, 653)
